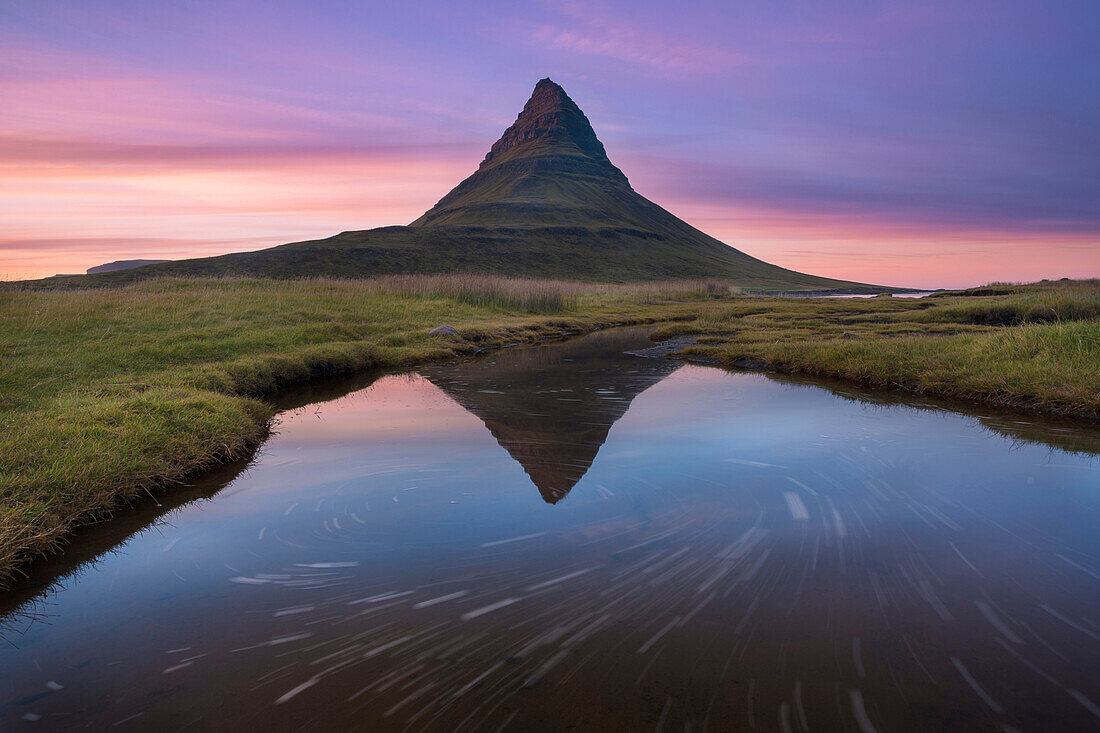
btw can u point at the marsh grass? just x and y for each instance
(530, 295)
(1033, 346)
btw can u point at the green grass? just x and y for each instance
(1035, 346)
(107, 394)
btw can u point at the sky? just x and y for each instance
(922, 144)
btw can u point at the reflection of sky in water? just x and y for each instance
(805, 537)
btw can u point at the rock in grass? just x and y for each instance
(444, 330)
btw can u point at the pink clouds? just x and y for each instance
(588, 30)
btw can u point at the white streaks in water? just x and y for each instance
(1028, 664)
(963, 558)
(1079, 567)
(699, 607)
(802, 721)
(521, 538)
(55, 686)
(472, 683)
(560, 579)
(172, 544)
(382, 597)
(657, 637)
(802, 486)
(290, 508)
(857, 656)
(287, 639)
(996, 622)
(249, 581)
(326, 565)
(374, 652)
(546, 667)
(976, 687)
(440, 599)
(860, 711)
(756, 464)
(1085, 702)
(489, 609)
(929, 594)
(419, 693)
(293, 611)
(1069, 622)
(795, 505)
(127, 719)
(838, 522)
(300, 688)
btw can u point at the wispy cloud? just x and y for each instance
(587, 29)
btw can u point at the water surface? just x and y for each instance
(572, 537)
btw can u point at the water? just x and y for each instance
(568, 536)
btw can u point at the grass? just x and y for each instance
(1033, 346)
(108, 394)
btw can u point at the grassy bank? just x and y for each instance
(1033, 346)
(107, 394)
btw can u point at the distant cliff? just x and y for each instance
(122, 265)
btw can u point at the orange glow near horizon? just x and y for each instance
(65, 219)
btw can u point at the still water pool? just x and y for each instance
(570, 536)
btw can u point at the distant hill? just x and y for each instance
(122, 265)
(545, 202)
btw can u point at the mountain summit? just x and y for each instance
(547, 168)
(545, 202)
(549, 121)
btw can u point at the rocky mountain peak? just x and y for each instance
(550, 123)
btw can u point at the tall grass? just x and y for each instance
(485, 291)
(1048, 302)
(526, 295)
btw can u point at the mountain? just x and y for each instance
(551, 407)
(545, 202)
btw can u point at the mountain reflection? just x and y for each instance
(551, 407)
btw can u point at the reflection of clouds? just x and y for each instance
(394, 408)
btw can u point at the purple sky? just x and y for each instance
(924, 144)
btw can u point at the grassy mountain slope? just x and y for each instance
(567, 252)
